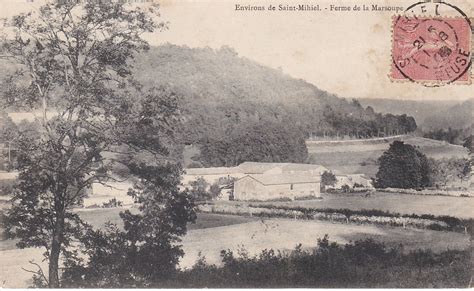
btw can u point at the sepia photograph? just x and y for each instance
(236, 144)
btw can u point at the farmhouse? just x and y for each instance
(263, 181)
(275, 186)
(213, 175)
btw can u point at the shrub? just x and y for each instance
(346, 188)
(112, 203)
(363, 263)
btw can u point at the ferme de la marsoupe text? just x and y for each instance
(318, 7)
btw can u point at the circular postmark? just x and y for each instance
(432, 44)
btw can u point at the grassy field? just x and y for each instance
(213, 233)
(284, 234)
(361, 157)
(98, 217)
(13, 259)
(460, 207)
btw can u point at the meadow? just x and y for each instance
(212, 233)
(361, 156)
(460, 207)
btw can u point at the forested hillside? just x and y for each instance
(220, 90)
(222, 95)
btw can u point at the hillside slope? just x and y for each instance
(216, 75)
(429, 114)
(220, 89)
(220, 94)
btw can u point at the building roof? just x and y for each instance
(213, 171)
(256, 168)
(260, 168)
(303, 168)
(285, 178)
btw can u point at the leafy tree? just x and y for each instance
(328, 179)
(147, 251)
(446, 171)
(73, 63)
(8, 137)
(403, 166)
(468, 143)
(199, 189)
(215, 190)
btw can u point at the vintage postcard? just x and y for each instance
(236, 143)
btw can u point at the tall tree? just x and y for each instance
(403, 166)
(74, 66)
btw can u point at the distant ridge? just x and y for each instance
(429, 114)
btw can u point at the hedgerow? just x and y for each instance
(344, 215)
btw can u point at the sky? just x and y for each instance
(347, 53)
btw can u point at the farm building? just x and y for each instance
(275, 186)
(265, 180)
(212, 175)
(99, 193)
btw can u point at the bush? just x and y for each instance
(363, 263)
(346, 188)
(112, 203)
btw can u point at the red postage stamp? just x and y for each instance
(431, 50)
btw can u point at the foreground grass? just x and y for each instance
(363, 263)
(255, 236)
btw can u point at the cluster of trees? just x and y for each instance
(452, 136)
(404, 166)
(313, 117)
(449, 171)
(201, 190)
(265, 141)
(364, 123)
